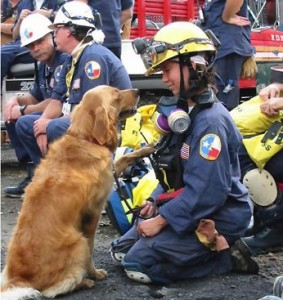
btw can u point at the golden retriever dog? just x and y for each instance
(51, 250)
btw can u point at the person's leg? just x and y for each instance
(23, 157)
(269, 237)
(275, 166)
(121, 246)
(228, 70)
(20, 151)
(56, 128)
(24, 128)
(168, 257)
(266, 232)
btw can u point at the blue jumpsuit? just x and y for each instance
(47, 78)
(234, 50)
(212, 190)
(96, 66)
(111, 13)
(10, 50)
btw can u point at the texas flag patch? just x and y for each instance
(92, 70)
(28, 33)
(210, 146)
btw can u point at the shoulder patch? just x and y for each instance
(210, 146)
(92, 70)
(57, 72)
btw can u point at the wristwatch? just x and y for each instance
(22, 109)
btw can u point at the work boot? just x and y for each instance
(269, 239)
(18, 190)
(242, 259)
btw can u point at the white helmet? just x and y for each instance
(33, 28)
(75, 13)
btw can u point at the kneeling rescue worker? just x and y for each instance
(197, 232)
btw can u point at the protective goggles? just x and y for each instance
(152, 51)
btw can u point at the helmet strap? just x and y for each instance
(182, 101)
(193, 81)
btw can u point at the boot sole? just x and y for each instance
(13, 195)
(138, 276)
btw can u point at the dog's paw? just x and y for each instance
(87, 283)
(100, 274)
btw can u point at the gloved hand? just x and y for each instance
(249, 68)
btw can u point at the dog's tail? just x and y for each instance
(19, 293)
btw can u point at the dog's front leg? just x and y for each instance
(89, 228)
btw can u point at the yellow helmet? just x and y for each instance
(174, 39)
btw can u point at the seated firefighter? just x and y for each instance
(197, 233)
(264, 176)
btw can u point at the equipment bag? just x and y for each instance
(263, 146)
(250, 120)
(262, 134)
(119, 205)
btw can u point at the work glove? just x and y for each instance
(249, 68)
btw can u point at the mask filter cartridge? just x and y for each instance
(178, 122)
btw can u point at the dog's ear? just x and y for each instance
(104, 129)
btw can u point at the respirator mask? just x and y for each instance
(171, 117)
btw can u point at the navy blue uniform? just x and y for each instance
(47, 78)
(10, 50)
(95, 66)
(234, 50)
(212, 190)
(111, 13)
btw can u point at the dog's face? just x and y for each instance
(95, 118)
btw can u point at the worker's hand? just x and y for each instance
(15, 112)
(7, 113)
(151, 227)
(237, 20)
(271, 91)
(43, 12)
(272, 106)
(24, 13)
(39, 126)
(147, 209)
(249, 68)
(42, 143)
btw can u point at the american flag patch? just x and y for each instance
(185, 151)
